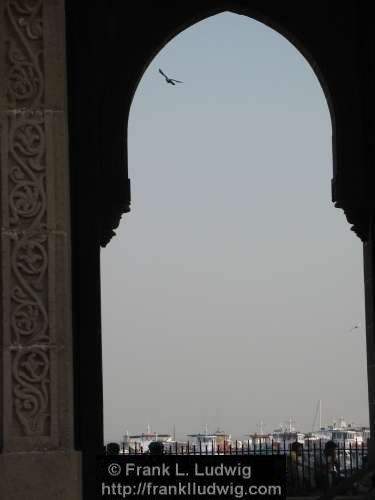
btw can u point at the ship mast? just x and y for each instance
(320, 414)
(260, 427)
(291, 421)
(318, 410)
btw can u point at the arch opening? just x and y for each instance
(271, 185)
(270, 21)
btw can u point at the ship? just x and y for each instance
(139, 443)
(346, 435)
(203, 442)
(285, 435)
(258, 440)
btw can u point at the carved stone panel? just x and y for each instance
(35, 251)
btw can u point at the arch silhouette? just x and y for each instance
(340, 98)
(107, 53)
(293, 37)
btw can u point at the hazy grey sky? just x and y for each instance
(231, 286)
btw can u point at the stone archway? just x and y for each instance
(87, 91)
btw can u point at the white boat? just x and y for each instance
(316, 438)
(203, 442)
(285, 435)
(139, 443)
(258, 440)
(224, 441)
(346, 435)
(343, 434)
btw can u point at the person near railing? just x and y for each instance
(156, 448)
(327, 467)
(113, 449)
(296, 480)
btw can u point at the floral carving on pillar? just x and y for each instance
(29, 263)
(25, 81)
(31, 389)
(25, 220)
(29, 319)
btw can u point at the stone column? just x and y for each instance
(369, 256)
(37, 459)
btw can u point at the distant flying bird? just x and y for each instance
(172, 81)
(355, 327)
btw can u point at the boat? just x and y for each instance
(224, 441)
(343, 434)
(258, 440)
(316, 438)
(203, 442)
(346, 435)
(285, 435)
(139, 443)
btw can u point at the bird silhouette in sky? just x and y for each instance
(355, 327)
(172, 81)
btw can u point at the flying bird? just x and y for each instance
(172, 81)
(355, 327)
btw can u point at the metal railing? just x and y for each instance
(310, 468)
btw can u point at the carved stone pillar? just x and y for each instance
(37, 459)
